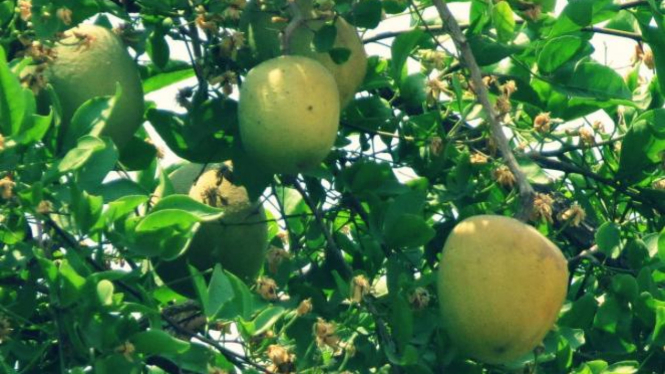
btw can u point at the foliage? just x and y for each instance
(356, 290)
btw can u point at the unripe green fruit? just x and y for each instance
(350, 74)
(501, 285)
(89, 61)
(288, 114)
(264, 40)
(238, 241)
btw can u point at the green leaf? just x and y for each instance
(654, 36)
(367, 113)
(366, 14)
(409, 230)
(13, 106)
(558, 51)
(155, 342)
(504, 21)
(339, 55)
(324, 38)
(641, 147)
(71, 284)
(165, 233)
(581, 313)
(401, 49)
(138, 154)
(220, 291)
(77, 157)
(623, 367)
(158, 49)
(608, 238)
(597, 81)
(487, 51)
(607, 317)
(533, 171)
(658, 335)
(413, 90)
(90, 118)
(203, 212)
(401, 320)
(167, 78)
(266, 319)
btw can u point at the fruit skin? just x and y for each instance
(238, 241)
(288, 114)
(350, 74)
(87, 68)
(264, 40)
(501, 285)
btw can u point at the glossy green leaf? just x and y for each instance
(155, 342)
(203, 212)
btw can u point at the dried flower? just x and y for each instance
(275, 257)
(648, 60)
(542, 122)
(25, 9)
(2, 143)
(278, 354)
(659, 184)
(359, 288)
(436, 146)
(504, 176)
(509, 88)
(5, 329)
(433, 89)
(267, 288)
(575, 215)
(478, 158)
(65, 15)
(127, 349)
(503, 105)
(533, 11)
(586, 136)
(325, 334)
(419, 298)
(44, 207)
(304, 307)
(7, 188)
(542, 207)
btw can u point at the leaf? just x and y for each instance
(558, 51)
(220, 291)
(339, 55)
(593, 80)
(409, 230)
(654, 36)
(581, 313)
(156, 342)
(607, 316)
(158, 48)
(623, 367)
(608, 238)
(71, 284)
(137, 154)
(401, 49)
(366, 14)
(642, 145)
(324, 38)
(90, 118)
(77, 157)
(165, 233)
(504, 21)
(487, 51)
(658, 335)
(13, 107)
(165, 79)
(202, 212)
(534, 173)
(401, 320)
(266, 319)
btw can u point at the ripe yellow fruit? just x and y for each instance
(288, 114)
(501, 285)
(238, 241)
(88, 63)
(350, 74)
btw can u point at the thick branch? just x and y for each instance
(526, 191)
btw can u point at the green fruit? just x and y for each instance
(288, 114)
(265, 39)
(238, 241)
(501, 285)
(88, 63)
(349, 74)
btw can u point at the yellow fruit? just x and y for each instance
(350, 74)
(501, 285)
(238, 241)
(89, 61)
(288, 114)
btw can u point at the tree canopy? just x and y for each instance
(498, 107)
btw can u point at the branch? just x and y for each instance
(579, 147)
(297, 20)
(333, 252)
(526, 192)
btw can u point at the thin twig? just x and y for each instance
(297, 20)
(526, 191)
(333, 252)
